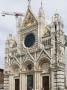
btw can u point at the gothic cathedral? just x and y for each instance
(34, 60)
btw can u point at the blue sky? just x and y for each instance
(8, 23)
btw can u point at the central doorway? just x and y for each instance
(29, 82)
(45, 82)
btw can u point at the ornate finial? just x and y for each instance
(41, 3)
(29, 1)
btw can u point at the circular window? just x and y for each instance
(29, 40)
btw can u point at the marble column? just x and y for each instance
(11, 83)
(51, 80)
(23, 81)
(37, 81)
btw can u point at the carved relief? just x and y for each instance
(29, 19)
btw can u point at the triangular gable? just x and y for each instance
(43, 54)
(14, 62)
(29, 19)
(27, 58)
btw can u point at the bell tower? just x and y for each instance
(57, 51)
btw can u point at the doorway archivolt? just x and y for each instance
(44, 65)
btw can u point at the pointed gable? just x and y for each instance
(29, 19)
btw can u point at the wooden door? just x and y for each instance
(16, 84)
(45, 82)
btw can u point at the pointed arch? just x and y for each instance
(28, 62)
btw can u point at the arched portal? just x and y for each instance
(29, 69)
(15, 78)
(44, 66)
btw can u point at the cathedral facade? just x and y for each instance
(34, 60)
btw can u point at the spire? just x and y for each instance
(29, 1)
(41, 3)
(41, 11)
(41, 22)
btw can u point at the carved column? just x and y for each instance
(23, 81)
(37, 81)
(51, 79)
(11, 82)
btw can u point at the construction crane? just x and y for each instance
(16, 14)
(12, 14)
